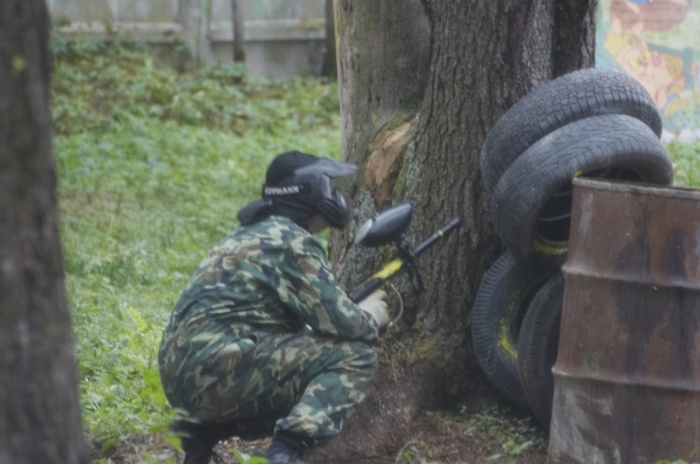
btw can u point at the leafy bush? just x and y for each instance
(153, 167)
(98, 84)
(686, 163)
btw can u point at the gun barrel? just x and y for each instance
(394, 267)
(446, 229)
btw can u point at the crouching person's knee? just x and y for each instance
(361, 359)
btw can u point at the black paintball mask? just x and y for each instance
(298, 185)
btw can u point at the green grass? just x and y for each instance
(153, 167)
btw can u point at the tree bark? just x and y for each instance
(421, 83)
(40, 417)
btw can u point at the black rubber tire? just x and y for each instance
(538, 345)
(531, 206)
(558, 102)
(500, 304)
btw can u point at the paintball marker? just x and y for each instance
(389, 227)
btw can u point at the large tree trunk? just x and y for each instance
(421, 83)
(39, 413)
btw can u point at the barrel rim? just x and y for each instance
(671, 191)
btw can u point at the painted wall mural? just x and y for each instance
(658, 43)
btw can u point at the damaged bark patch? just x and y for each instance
(386, 159)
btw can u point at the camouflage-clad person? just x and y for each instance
(264, 337)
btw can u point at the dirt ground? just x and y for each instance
(434, 441)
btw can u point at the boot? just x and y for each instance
(286, 448)
(198, 440)
(284, 457)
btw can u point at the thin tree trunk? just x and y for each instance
(330, 64)
(421, 83)
(39, 413)
(237, 21)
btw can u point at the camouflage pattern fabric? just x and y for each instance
(236, 347)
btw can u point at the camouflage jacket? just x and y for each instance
(272, 276)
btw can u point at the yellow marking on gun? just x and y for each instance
(391, 268)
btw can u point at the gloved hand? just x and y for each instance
(375, 306)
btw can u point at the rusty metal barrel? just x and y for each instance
(627, 374)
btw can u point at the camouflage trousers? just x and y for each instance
(303, 383)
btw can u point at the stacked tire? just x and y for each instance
(590, 123)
